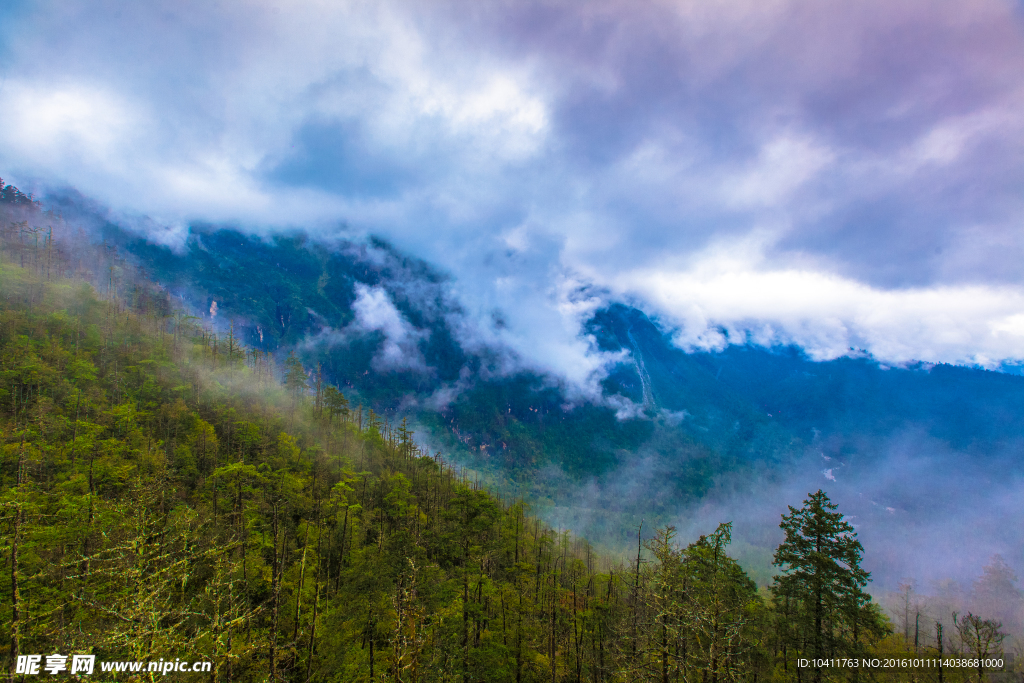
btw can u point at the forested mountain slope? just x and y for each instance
(741, 404)
(166, 493)
(968, 407)
(285, 293)
(673, 432)
(164, 496)
(157, 503)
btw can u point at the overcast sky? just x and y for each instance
(834, 174)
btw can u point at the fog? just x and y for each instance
(942, 521)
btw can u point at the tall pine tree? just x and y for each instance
(822, 581)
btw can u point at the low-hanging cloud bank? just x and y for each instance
(830, 174)
(732, 294)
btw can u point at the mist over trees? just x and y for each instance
(981, 617)
(167, 491)
(731, 434)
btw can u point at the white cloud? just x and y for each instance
(68, 123)
(950, 139)
(544, 160)
(179, 115)
(375, 312)
(733, 287)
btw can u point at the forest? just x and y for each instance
(167, 492)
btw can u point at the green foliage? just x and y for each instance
(335, 403)
(295, 376)
(821, 585)
(706, 612)
(162, 496)
(160, 503)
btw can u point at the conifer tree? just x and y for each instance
(294, 376)
(335, 402)
(822, 578)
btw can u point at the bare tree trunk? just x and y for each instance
(74, 435)
(636, 594)
(519, 635)
(554, 607)
(664, 651)
(15, 594)
(316, 598)
(298, 598)
(465, 613)
(276, 589)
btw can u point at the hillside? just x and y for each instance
(169, 493)
(166, 497)
(676, 437)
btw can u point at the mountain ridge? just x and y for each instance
(673, 432)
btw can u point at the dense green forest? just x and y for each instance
(167, 492)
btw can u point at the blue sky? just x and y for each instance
(830, 174)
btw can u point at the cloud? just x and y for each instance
(65, 123)
(783, 165)
(375, 312)
(828, 173)
(731, 293)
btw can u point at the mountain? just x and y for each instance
(165, 493)
(971, 409)
(171, 504)
(676, 436)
